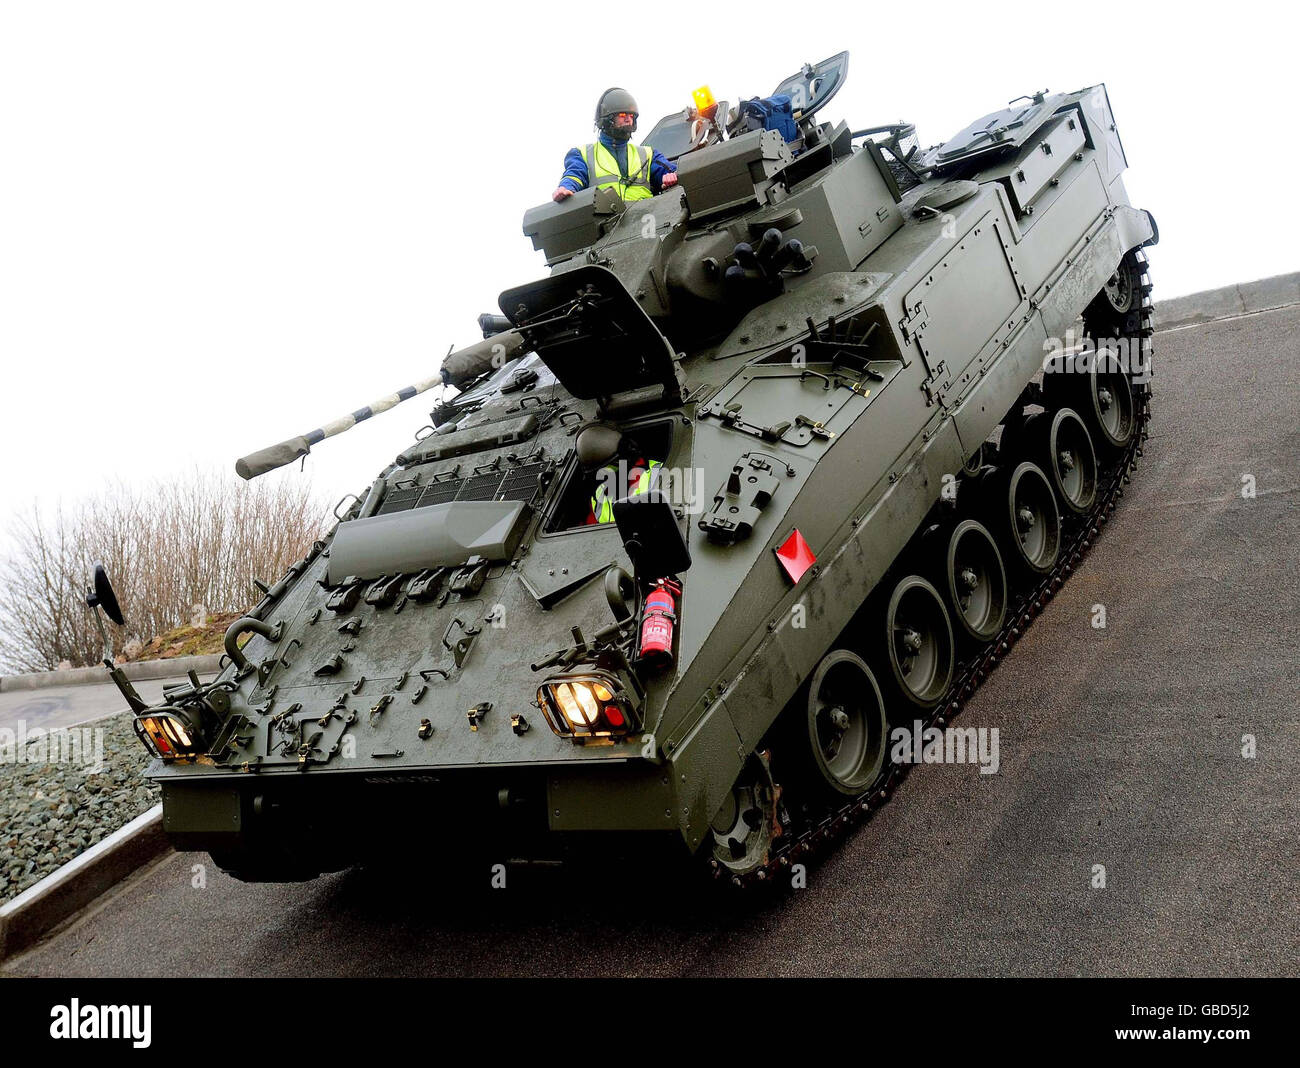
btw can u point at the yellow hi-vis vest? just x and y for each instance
(602, 504)
(602, 170)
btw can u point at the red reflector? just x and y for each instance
(613, 716)
(795, 556)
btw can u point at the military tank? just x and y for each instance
(764, 467)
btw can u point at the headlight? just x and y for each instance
(167, 734)
(587, 706)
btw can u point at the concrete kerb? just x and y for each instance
(136, 671)
(1242, 299)
(40, 908)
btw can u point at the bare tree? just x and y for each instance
(197, 540)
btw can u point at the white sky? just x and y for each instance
(223, 224)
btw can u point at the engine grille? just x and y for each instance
(513, 484)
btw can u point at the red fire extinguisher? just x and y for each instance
(657, 620)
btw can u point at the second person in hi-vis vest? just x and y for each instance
(637, 172)
(642, 476)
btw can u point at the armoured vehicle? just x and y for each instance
(765, 466)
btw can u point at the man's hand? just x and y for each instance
(563, 193)
(670, 180)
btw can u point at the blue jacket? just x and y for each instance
(575, 169)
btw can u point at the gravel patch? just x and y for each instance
(55, 803)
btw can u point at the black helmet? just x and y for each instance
(612, 102)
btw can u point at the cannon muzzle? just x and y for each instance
(264, 460)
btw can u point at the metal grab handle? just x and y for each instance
(247, 623)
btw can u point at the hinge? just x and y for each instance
(914, 322)
(936, 382)
(934, 386)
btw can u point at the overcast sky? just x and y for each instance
(223, 224)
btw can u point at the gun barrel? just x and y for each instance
(493, 324)
(268, 459)
(458, 368)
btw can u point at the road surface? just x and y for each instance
(66, 706)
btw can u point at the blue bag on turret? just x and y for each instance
(770, 113)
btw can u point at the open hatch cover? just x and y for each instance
(998, 131)
(812, 88)
(589, 330)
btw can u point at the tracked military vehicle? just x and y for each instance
(762, 467)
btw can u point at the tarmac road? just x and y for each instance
(66, 706)
(1119, 747)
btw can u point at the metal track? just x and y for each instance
(799, 844)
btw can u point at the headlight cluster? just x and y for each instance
(586, 706)
(167, 735)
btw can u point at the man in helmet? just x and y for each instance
(613, 160)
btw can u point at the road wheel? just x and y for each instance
(846, 728)
(1060, 444)
(1104, 397)
(916, 645)
(973, 583)
(1023, 517)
